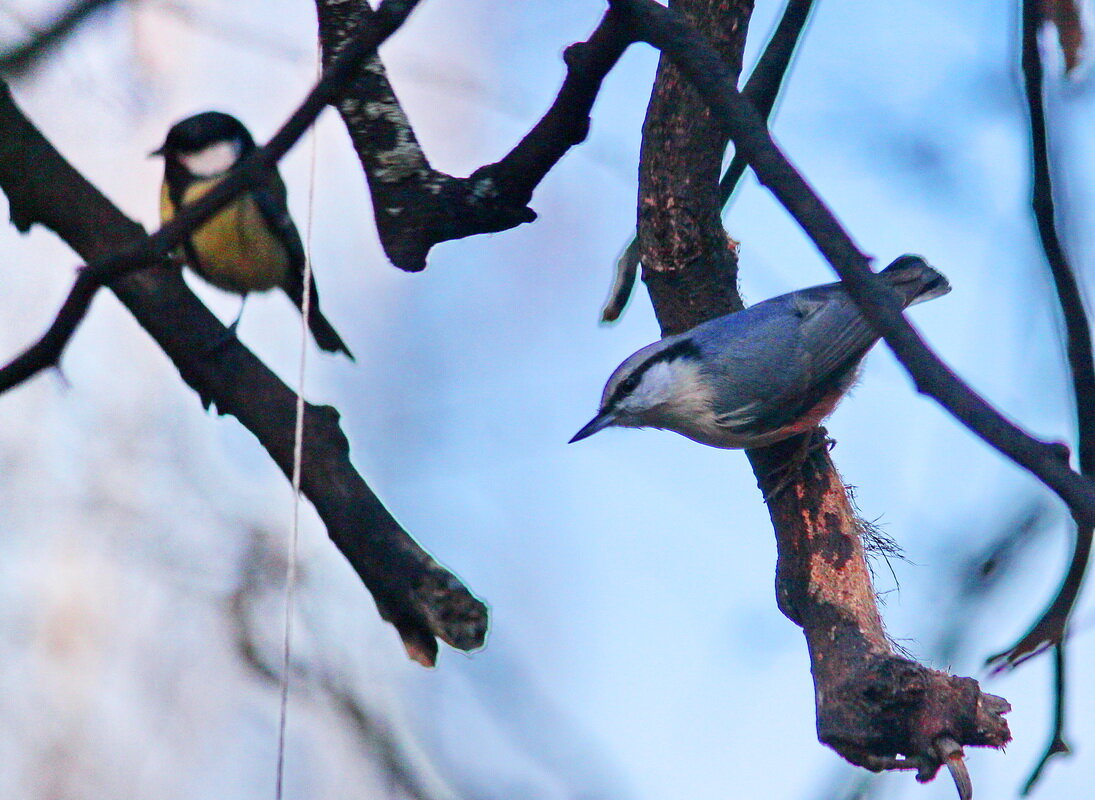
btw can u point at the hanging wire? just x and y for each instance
(298, 458)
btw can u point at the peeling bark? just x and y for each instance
(876, 708)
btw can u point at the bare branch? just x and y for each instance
(761, 90)
(142, 252)
(412, 591)
(1057, 744)
(1049, 630)
(417, 206)
(766, 80)
(875, 707)
(21, 57)
(1047, 461)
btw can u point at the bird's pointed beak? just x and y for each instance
(599, 422)
(157, 152)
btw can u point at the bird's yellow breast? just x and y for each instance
(236, 249)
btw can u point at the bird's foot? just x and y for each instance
(786, 472)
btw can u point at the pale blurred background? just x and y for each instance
(636, 650)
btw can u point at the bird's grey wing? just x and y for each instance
(795, 351)
(834, 336)
(754, 366)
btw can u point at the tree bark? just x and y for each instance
(872, 704)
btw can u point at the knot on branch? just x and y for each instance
(414, 215)
(456, 616)
(895, 707)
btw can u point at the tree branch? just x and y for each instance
(1047, 461)
(1049, 630)
(873, 705)
(1057, 744)
(412, 591)
(144, 251)
(21, 57)
(417, 206)
(761, 90)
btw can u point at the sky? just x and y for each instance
(635, 650)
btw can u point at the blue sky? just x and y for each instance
(636, 650)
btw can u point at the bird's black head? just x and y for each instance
(201, 131)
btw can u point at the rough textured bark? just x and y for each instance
(417, 206)
(689, 263)
(872, 704)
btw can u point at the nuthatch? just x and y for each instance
(251, 245)
(757, 376)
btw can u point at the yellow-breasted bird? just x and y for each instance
(250, 245)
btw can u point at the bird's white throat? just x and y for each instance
(211, 160)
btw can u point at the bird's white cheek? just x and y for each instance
(212, 160)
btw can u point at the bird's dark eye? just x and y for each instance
(629, 384)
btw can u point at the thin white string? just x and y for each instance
(298, 457)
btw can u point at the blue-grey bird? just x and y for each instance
(250, 245)
(757, 376)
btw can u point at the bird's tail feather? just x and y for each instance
(324, 333)
(915, 280)
(322, 330)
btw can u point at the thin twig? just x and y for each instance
(762, 89)
(251, 169)
(766, 80)
(1049, 630)
(1057, 744)
(664, 29)
(21, 57)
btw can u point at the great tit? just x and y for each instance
(251, 245)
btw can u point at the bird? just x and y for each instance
(250, 245)
(755, 377)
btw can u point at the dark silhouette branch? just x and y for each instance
(1051, 627)
(1049, 630)
(663, 29)
(21, 57)
(875, 707)
(412, 591)
(762, 89)
(146, 250)
(413, 213)
(766, 80)
(417, 206)
(1057, 744)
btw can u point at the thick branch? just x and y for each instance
(1048, 462)
(872, 704)
(761, 90)
(411, 590)
(417, 206)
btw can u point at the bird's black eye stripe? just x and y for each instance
(685, 348)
